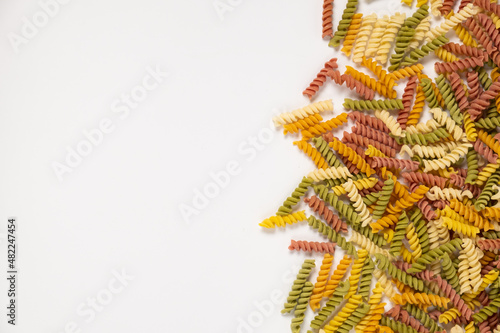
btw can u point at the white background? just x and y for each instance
(119, 209)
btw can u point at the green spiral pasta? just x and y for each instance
(417, 17)
(343, 209)
(332, 235)
(326, 152)
(403, 39)
(371, 198)
(418, 54)
(487, 191)
(375, 104)
(449, 99)
(422, 316)
(397, 326)
(450, 273)
(383, 263)
(492, 111)
(423, 139)
(428, 90)
(491, 234)
(294, 199)
(354, 318)
(472, 166)
(421, 228)
(483, 77)
(298, 285)
(336, 298)
(366, 278)
(488, 123)
(344, 24)
(487, 311)
(399, 234)
(383, 199)
(301, 308)
(434, 254)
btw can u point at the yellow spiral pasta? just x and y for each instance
(370, 82)
(464, 35)
(352, 156)
(295, 115)
(320, 285)
(357, 202)
(420, 31)
(329, 173)
(362, 37)
(360, 184)
(370, 322)
(406, 72)
(283, 220)
(406, 255)
(389, 36)
(418, 107)
(470, 327)
(352, 303)
(495, 20)
(420, 299)
(470, 128)
(444, 120)
(451, 22)
(445, 55)
(385, 222)
(390, 122)
(449, 315)
(436, 193)
(409, 200)
(427, 127)
(356, 268)
(465, 229)
(374, 152)
(486, 173)
(313, 153)
(352, 32)
(413, 241)
(337, 276)
(376, 36)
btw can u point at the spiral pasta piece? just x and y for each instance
(370, 82)
(319, 206)
(449, 315)
(364, 105)
(452, 21)
(427, 48)
(420, 299)
(362, 37)
(360, 312)
(283, 220)
(320, 79)
(433, 254)
(313, 153)
(356, 268)
(449, 159)
(293, 116)
(418, 107)
(320, 247)
(462, 228)
(351, 155)
(395, 23)
(389, 121)
(449, 99)
(352, 304)
(320, 285)
(323, 127)
(294, 198)
(301, 124)
(365, 243)
(329, 156)
(409, 71)
(300, 310)
(357, 202)
(436, 193)
(327, 18)
(329, 173)
(331, 235)
(298, 285)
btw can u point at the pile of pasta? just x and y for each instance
(413, 204)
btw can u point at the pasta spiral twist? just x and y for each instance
(283, 220)
(356, 268)
(344, 210)
(351, 155)
(357, 202)
(379, 136)
(420, 31)
(352, 303)
(449, 99)
(483, 101)
(294, 198)
(449, 159)
(399, 234)
(470, 128)
(319, 206)
(370, 322)
(332, 235)
(293, 116)
(366, 278)
(395, 23)
(384, 264)
(397, 326)
(329, 173)
(487, 192)
(365, 243)
(449, 315)
(379, 162)
(381, 104)
(347, 15)
(352, 32)
(327, 18)
(323, 127)
(413, 241)
(321, 247)
(320, 78)
(403, 39)
(428, 91)
(352, 83)
(459, 65)
(368, 121)
(487, 311)
(451, 22)
(302, 124)
(354, 318)
(489, 244)
(465, 229)
(329, 156)
(320, 285)
(376, 36)
(427, 48)
(409, 71)
(435, 193)
(298, 285)
(337, 275)
(433, 254)
(450, 273)
(383, 199)
(420, 299)
(301, 307)
(313, 153)
(370, 82)
(390, 122)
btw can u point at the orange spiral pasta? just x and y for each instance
(302, 124)
(420, 299)
(406, 72)
(382, 75)
(327, 18)
(347, 152)
(320, 285)
(337, 276)
(352, 32)
(323, 127)
(321, 247)
(491, 142)
(418, 107)
(320, 78)
(370, 82)
(313, 153)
